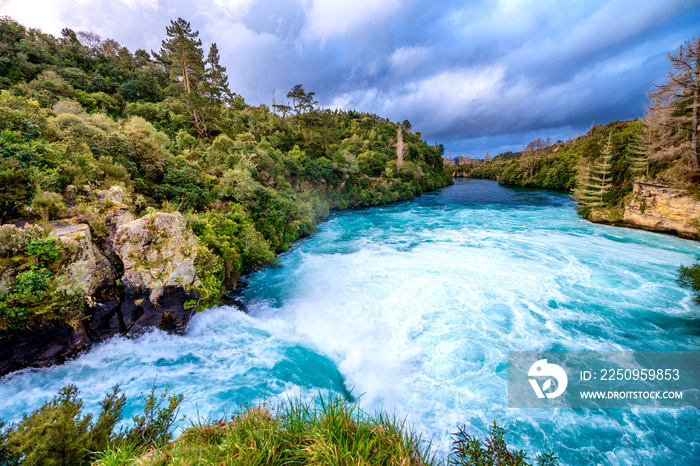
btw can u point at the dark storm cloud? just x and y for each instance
(476, 76)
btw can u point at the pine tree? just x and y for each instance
(182, 56)
(594, 181)
(215, 87)
(302, 102)
(582, 192)
(600, 175)
(674, 105)
(639, 154)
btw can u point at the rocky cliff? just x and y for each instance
(662, 208)
(158, 253)
(156, 288)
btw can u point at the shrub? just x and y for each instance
(45, 250)
(48, 205)
(32, 282)
(58, 434)
(493, 451)
(689, 277)
(32, 296)
(155, 426)
(68, 106)
(13, 240)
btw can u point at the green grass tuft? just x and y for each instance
(326, 430)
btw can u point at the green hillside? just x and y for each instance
(79, 114)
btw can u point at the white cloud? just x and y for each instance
(330, 19)
(41, 14)
(448, 96)
(134, 4)
(233, 8)
(404, 60)
(110, 19)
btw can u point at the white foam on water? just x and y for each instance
(414, 307)
(420, 318)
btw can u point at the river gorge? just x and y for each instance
(412, 308)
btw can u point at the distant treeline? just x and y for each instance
(600, 167)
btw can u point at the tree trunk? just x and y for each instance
(694, 128)
(694, 132)
(399, 149)
(185, 73)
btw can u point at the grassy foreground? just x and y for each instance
(325, 431)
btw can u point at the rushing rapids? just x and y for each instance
(413, 308)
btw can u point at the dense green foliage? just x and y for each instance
(79, 114)
(324, 430)
(31, 295)
(556, 166)
(689, 277)
(59, 434)
(468, 450)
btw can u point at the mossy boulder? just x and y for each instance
(158, 253)
(88, 269)
(79, 280)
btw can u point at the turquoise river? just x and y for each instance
(413, 308)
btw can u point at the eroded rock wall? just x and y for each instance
(158, 253)
(157, 287)
(661, 208)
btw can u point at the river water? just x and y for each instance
(412, 308)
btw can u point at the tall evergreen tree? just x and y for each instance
(639, 154)
(600, 174)
(181, 54)
(215, 87)
(674, 104)
(594, 181)
(582, 191)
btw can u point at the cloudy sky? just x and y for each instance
(476, 76)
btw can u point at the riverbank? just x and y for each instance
(414, 306)
(143, 273)
(651, 206)
(120, 213)
(655, 207)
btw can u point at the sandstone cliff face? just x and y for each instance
(661, 208)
